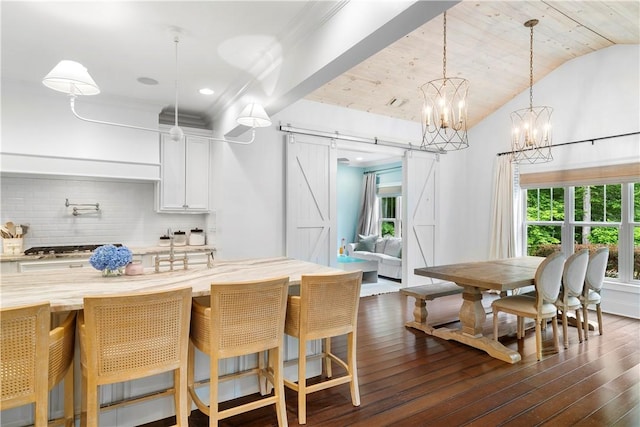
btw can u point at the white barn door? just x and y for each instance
(420, 173)
(311, 199)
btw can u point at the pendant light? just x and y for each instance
(531, 127)
(72, 78)
(444, 112)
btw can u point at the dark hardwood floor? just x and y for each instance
(408, 378)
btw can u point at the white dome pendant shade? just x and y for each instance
(253, 115)
(71, 77)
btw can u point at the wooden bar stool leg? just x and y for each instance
(327, 359)
(68, 398)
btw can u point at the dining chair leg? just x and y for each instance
(495, 325)
(520, 327)
(585, 321)
(539, 339)
(565, 329)
(599, 311)
(554, 326)
(579, 325)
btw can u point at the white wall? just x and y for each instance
(595, 95)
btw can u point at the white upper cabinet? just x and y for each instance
(184, 184)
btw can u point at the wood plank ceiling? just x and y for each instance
(488, 45)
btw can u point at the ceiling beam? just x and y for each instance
(325, 54)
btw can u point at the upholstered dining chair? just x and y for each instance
(575, 269)
(327, 307)
(240, 318)
(547, 282)
(35, 359)
(130, 336)
(593, 286)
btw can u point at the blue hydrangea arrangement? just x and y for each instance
(109, 257)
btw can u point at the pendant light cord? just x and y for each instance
(176, 41)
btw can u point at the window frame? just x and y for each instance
(625, 226)
(397, 221)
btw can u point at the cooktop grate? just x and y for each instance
(63, 249)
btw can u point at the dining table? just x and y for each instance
(501, 275)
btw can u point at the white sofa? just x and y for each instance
(387, 251)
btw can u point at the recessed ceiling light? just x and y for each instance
(206, 91)
(147, 81)
(359, 159)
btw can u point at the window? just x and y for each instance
(390, 215)
(587, 216)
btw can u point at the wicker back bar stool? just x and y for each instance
(125, 337)
(326, 307)
(25, 358)
(35, 359)
(241, 318)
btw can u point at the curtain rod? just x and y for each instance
(591, 140)
(386, 170)
(343, 137)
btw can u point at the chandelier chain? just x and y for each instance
(444, 48)
(531, 70)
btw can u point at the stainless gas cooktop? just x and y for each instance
(63, 249)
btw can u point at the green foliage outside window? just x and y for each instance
(388, 229)
(592, 204)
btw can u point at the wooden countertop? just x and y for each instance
(65, 289)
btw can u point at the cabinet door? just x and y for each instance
(184, 186)
(197, 174)
(173, 177)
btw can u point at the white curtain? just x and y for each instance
(503, 220)
(368, 220)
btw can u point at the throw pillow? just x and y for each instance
(380, 243)
(393, 247)
(367, 243)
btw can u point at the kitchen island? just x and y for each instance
(65, 290)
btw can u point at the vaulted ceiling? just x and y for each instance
(487, 44)
(370, 56)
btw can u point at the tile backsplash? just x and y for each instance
(126, 213)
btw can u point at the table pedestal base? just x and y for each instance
(492, 347)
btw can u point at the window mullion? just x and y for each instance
(568, 227)
(625, 236)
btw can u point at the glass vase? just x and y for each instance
(107, 272)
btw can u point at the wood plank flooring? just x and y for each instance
(408, 378)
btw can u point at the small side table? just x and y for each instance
(369, 268)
